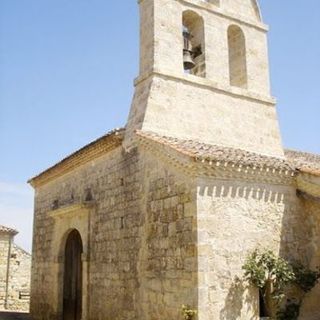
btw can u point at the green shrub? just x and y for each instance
(272, 275)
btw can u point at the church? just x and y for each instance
(164, 212)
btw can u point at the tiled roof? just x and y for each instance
(4, 229)
(303, 161)
(206, 152)
(96, 148)
(197, 150)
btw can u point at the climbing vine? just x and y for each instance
(272, 275)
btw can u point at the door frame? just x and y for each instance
(67, 219)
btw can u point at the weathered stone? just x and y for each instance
(15, 271)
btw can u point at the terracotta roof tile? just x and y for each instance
(200, 151)
(304, 161)
(206, 152)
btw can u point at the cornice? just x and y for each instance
(208, 84)
(197, 167)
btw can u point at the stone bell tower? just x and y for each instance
(204, 75)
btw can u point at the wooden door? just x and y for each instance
(72, 284)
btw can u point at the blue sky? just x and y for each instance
(66, 77)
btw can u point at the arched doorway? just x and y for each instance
(72, 279)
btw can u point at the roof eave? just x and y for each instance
(89, 152)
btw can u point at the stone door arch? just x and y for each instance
(66, 220)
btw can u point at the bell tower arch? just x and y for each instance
(194, 61)
(204, 75)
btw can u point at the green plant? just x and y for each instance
(270, 274)
(188, 313)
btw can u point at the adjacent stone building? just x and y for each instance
(15, 272)
(164, 212)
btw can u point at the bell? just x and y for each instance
(188, 62)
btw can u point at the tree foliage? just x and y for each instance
(263, 268)
(272, 275)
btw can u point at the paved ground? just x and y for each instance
(14, 316)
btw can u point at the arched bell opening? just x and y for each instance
(72, 277)
(237, 57)
(193, 44)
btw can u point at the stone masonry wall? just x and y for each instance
(19, 276)
(234, 218)
(4, 251)
(142, 249)
(221, 119)
(168, 257)
(158, 238)
(114, 241)
(19, 280)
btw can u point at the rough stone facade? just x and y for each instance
(15, 273)
(169, 207)
(135, 257)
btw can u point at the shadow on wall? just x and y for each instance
(309, 251)
(294, 233)
(310, 305)
(249, 215)
(234, 302)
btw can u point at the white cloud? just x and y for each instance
(16, 210)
